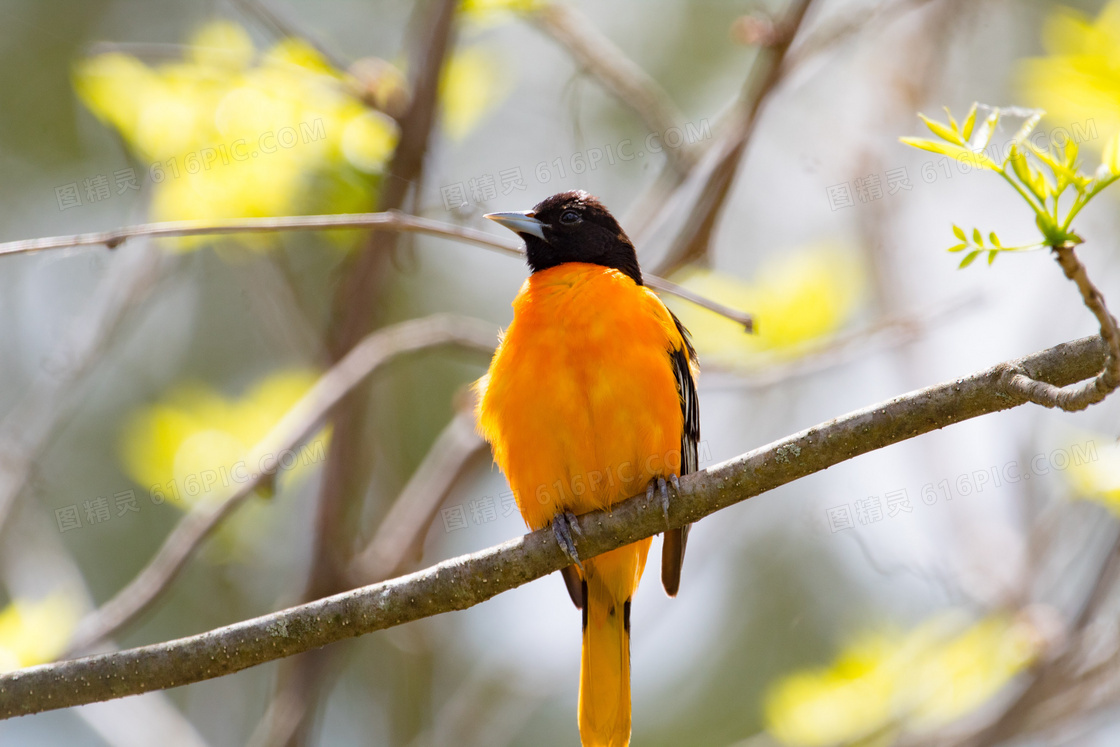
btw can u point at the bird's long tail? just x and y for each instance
(604, 686)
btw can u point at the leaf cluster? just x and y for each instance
(1045, 178)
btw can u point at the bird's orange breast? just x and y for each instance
(581, 404)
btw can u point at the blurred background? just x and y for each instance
(959, 588)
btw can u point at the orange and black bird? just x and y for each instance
(590, 399)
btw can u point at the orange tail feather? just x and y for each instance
(604, 687)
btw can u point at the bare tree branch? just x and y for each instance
(282, 26)
(896, 330)
(1062, 676)
(34, 559)
(668, 286)
(349, 469)
(462, 582)
(404, 526)
(28, 427)
(848, 26)
(390, 220)
(695, 236)
(297, 424)
(620, 75)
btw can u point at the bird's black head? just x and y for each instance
(572, 227)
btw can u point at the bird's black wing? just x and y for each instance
(573, 582)
(672, 551)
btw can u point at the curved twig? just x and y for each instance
(1078, 396)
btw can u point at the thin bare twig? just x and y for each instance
(268, 290)
(348, 469)
(33, 560)
(888, 331)
(29, 425)
(620, 75)
(297, 424)
(283, 26)
(390, 220)
(693, 239)
(668, 286)
(827, 37)
(403, 528)
(462, 582)
(1059, 676)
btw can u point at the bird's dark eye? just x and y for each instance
(569, 217)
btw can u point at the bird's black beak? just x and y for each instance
(520, 223)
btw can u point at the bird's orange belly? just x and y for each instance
(601, 415)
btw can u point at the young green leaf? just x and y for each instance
(1028, 127)
(1053, 159)
(1050, 230)
(1057, 170)
(1038, 185)
(959, 153)
(952, 122)
(1046, 156)
(969, 121)
(968, 259)
(948, 134)
(983, 136)
(1110, 159)
(1019, 164)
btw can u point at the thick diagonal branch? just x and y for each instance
(463, 582)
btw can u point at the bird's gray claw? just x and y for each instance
(562, 526)
(573, 523)
(663, 488)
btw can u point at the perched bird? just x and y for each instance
(590, 399)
